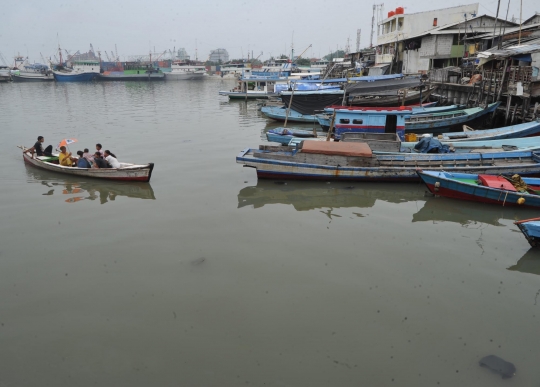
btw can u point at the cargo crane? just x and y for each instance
(116, 52)
(92, 50)
(114, 59)
(107, 56)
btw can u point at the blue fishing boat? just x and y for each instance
(531, 229)
(382, 120)
(82, 71)
(355, 161)
(279, 113)
(485, 188)
(284, 135)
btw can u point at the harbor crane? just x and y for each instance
(107, 56)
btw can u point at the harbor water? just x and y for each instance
(208, 277)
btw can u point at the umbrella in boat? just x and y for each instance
(67, 142)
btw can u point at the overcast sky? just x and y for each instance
(239, 26)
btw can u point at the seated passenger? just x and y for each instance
(88, 156)
(111, 159)
(38, 148)
(99, 162)
(64, 158)
(82, 162)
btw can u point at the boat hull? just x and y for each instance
(531, 230)
(438, 185)
(81, 77)
(133, 173)
(132, 77)
(279, 113)
(32, 78)
(403, 171)
(172, 76)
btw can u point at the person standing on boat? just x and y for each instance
(82, 162)
(99, 162)
(38, 148)
(111, 159)
(64, 158)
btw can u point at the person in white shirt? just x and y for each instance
(111, 159)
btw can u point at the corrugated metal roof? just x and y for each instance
(506, 32)
(510, 51)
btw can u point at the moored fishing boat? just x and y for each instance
(355, 161)
(531, 230)
(279, 113)
(82, 71)
(132, 71)
(485, 188)
(186, 70)
(127, 172)
(5, 74)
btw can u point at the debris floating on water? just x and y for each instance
(499, 366)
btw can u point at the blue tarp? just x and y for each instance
(305, 87)
(431, 145)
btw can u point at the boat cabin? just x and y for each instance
(374, 120)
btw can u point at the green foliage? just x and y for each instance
(335, 54)
(303, 62)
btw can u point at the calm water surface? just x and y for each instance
(208, 277)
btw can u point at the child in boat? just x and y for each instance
(111, 159)
(64, 158)
(99, 149)
(99, 162)
(82, 162)
(88, 156)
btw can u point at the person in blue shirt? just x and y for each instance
(82, 162)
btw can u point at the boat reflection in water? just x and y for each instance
(305, 196)
(529, 263)
(468, 214)
(76, 189)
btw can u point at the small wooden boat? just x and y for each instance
(127, 172)
(525, 143)
(436, 122)
(355, 161)
(386, 99)
(531, 229)
(514, 131)
(485, 188)
(279, 113)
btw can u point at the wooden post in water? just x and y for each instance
(289, 107)
(499, 92)
(331, 128)
(508, 104)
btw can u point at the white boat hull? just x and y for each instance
(128, 172)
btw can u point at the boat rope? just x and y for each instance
(505, 198)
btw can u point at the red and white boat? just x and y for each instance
(126, 172)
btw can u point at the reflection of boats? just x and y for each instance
(531, 230)
(465, 213)
(78, 189)
(308, 196)
(127, 172)
(529, 263)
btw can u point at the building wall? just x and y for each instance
(436, 46)
(413, 63)
(417, 23)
